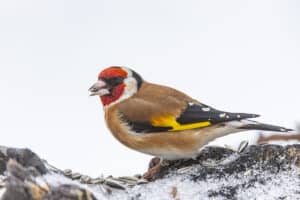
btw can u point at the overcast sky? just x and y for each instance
(235, 55)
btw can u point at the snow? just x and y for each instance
(57, 179)
(252, 184)
(279, 185)
(2, 191)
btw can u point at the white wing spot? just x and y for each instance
(222, 115)
(206, 109)
(238, 116)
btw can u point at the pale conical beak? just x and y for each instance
(99, 88)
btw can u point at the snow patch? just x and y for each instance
(252, 184)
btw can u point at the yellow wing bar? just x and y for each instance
(170, 121)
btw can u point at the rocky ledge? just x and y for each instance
(254, 172)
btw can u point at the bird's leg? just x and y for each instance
(155, 165)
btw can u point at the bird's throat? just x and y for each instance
(115, 94)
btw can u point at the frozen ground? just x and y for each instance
(259, 172)
(256, 185)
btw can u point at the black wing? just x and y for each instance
(196, 112)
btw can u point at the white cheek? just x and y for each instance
(130, 89)
(131, 86)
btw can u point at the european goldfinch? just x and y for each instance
(162, 121)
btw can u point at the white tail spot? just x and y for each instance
(206, 109)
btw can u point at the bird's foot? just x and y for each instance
(150, 175)
(154, 168)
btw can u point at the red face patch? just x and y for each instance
(116, 93)
(112, 72)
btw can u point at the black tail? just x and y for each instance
(253, 125)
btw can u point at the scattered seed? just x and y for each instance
(174, 192)
(67, 172)
(184, 170)
(2, 184)
(127, 181)
(142, 181)
(211, 164)
(105, 189)
(243, 145)
(97, 181)
(230, 159)
(85, 179)
(76, 176)
(130, 178)
(114, 184)
(248, 172)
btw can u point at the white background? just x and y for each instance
(235, 55)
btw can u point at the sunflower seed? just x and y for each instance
(142, 181)
(127, 182)
(2, 184)
(243, 145)
(85, 179)
(114, 184)
(248, 172)
(184, 170)
(76, 176)
(129, 178)
(105, 189)
(67, 172)
(97, 181)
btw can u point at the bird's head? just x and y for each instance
(116, 84)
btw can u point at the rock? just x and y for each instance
(3, 161)
(22, 184)
(69, 192)
(258, 172)
(271, 158)
(23, 156)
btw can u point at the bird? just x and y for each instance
(161, 121)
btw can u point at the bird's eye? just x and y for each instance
(114, 81)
